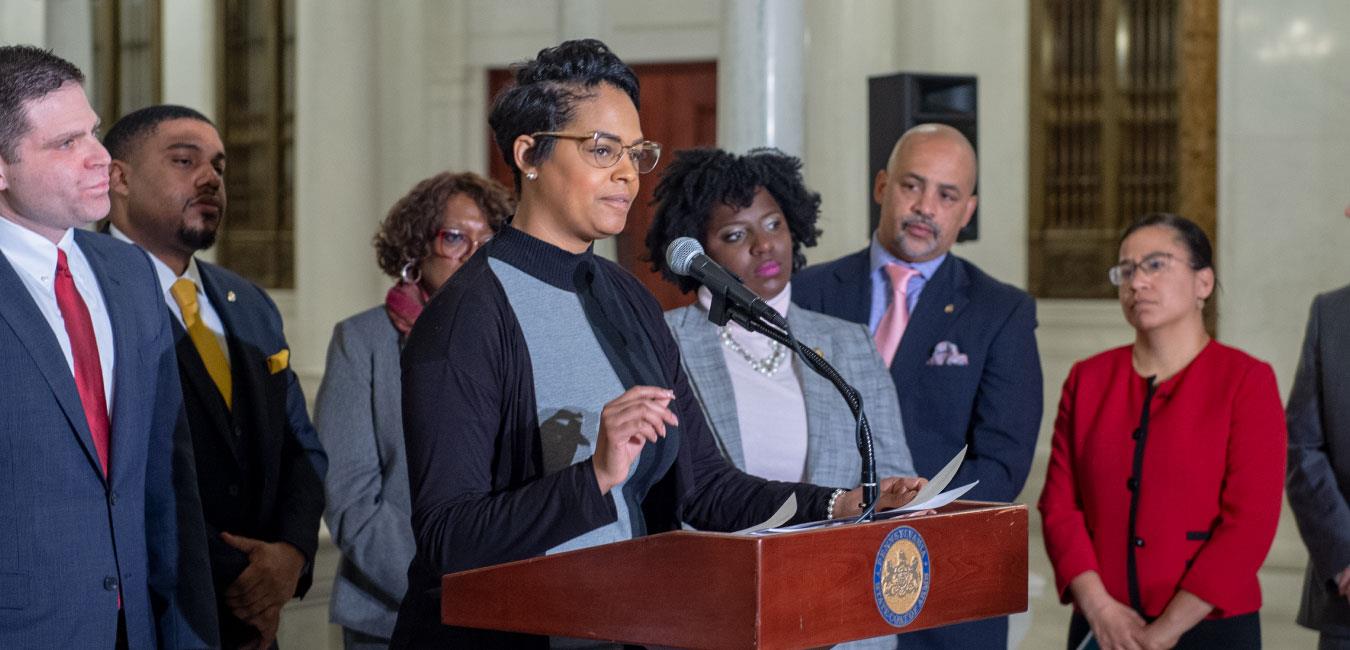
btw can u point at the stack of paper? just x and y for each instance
(930, 497)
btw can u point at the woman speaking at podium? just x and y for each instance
(544, 405)
(1167, 464)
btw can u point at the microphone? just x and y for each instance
(685, 257)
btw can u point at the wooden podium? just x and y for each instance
(793, 590)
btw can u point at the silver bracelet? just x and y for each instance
(829, 507)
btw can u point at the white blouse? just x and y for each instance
(770, 409)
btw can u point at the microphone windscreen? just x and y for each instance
(680, 254)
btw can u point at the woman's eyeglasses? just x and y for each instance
(458, 242)
(1122, 273)
(604, 150)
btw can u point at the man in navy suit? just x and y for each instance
(100, 522)
(962, 344)
(259, 461)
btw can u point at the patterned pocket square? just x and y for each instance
(279, 361)
(946, 353)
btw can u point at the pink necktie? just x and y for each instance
(893, 322)
(84, 350)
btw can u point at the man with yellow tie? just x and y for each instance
(259, 463)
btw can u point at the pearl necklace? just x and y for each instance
(766, 367)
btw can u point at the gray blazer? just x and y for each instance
(1318, 478)
(359, 417)
(831, 453)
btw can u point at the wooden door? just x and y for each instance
(679, 110)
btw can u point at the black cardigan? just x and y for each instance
(475, 463)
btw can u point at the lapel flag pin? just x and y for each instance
(229, 296)
(949, 309)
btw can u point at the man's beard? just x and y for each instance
(198, 239)
(927, 246)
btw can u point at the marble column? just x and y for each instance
(337, 172)
(760, 75)
(847, 41)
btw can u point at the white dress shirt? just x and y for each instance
(34, 258)
(206, 311)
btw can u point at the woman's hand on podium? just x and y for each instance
(895, 491)
(628, 422)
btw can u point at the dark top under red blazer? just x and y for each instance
(1197, 509)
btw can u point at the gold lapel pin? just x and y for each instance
(949, 309)
(229, 297)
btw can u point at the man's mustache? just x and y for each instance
(922, 220)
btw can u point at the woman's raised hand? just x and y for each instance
(628, 422)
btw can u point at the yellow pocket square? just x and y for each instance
(279, 361)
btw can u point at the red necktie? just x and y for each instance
(84, 349)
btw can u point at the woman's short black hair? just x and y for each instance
(546, 91)
(1191, 235)
(698, 180)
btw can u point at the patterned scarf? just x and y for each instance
(404, 304)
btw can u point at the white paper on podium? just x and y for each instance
(931, 504)
(930, 497)
(940, 480)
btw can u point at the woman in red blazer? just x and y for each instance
(1163, 489)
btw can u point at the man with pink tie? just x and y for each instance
(961, 345)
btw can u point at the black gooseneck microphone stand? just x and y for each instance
(723, 310)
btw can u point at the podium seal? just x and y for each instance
(901, 576)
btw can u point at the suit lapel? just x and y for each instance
(932, 318)
(707, 370)
(246, 362)
(198, 380)
(30, 326)
(819, 396)
(854, 296)
(118, 300)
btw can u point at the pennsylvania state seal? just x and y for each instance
(901, 576)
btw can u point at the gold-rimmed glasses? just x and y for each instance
(604, 150)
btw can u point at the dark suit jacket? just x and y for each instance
(259, 464)
(68, 537)
(993, 405)
(1318, 477)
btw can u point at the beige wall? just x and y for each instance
(23, 21)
